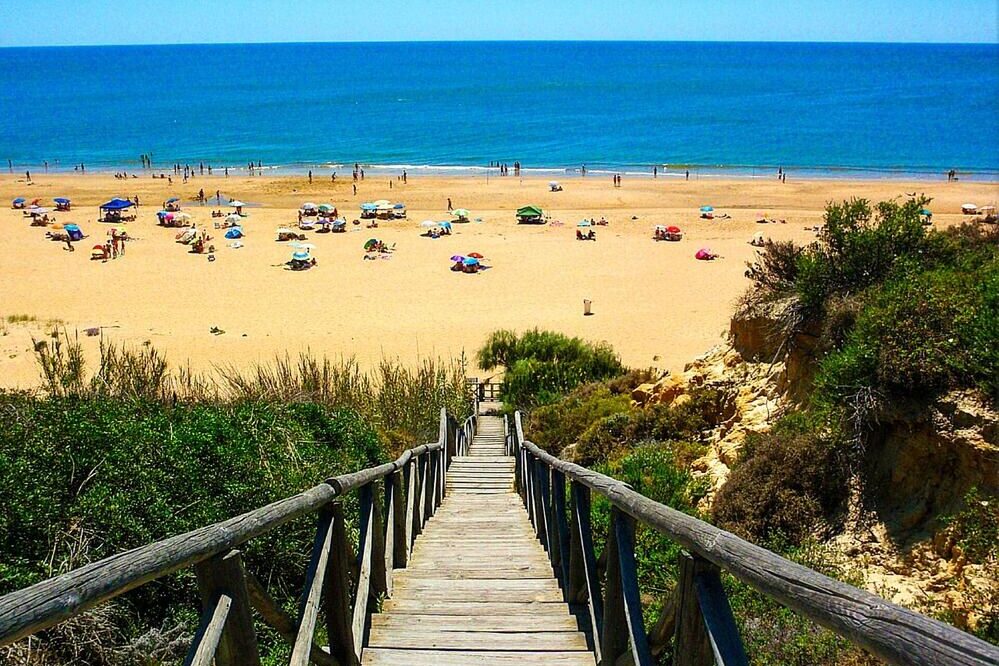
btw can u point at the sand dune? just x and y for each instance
(653, 302)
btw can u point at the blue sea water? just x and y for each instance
(852, 109)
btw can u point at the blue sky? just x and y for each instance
(71, 22)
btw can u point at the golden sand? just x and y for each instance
(653, 302)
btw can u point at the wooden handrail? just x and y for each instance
(891, 632)
(416, 480)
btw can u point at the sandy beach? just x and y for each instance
(653, 302)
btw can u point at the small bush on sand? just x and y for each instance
(542, 366)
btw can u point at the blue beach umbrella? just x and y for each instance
(368, 206)
(61, 200)
(584, 223)
(301, 255)
(446, 224)
(707, 209)
(471, 261)
(20, 200)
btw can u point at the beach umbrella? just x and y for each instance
(584, 223)
(707, 209)
(369, 206)
(925, 211)
(460, 212)
(553, 183)
(308, 205)
(233, 217)
(383, 202)
(302, 246)
(61, 200)
(370, 243)
(673, 230)
(301, 255)
(183, 216)
(284, 230)
(399, 206)
(236, 204)
(326, 208)
(445, 224)
(19, 200)
(457, 257)
(39, 211)
(475, 255)
(427, 224)
(471, 261)
(173, 200)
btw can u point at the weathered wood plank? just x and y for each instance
(223, 575)
(524, 623)
(308, 613)
(338, 613)
(390, 657)
(691, 646)
(473, 608)
(561, 641)
(625, 531)
(209, 634)
(718, 619)
(584, 530)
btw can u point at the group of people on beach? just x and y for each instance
(504, 168)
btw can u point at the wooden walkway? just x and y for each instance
(479, 588)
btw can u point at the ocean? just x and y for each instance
(857, 110)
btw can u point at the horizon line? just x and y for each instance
(506, 41)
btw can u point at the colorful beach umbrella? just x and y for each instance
(399, 206)
(471, 261)
(370, 243)
(236, 204)
(308, 205)
(673, 230)
(61, 200)
(427, 224)
(173, 200)
(301, 255)
(326, 208)
(707, 209)
(19, 200)
(475, 255)
(460, 212)
(584, 223)
(457, 257)
(369, 206)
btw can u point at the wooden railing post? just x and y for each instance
(562, 532)
(584, 533)
(421, 494)
(336, 592)
(412, 498)
(368, 561)
(379, 573)
(400, 534)
(308, 610)
(540, 519)
(691, 645)
(551, 536)
(223, 575)
(624, 529)
(430, 487)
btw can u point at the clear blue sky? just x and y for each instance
(71, 22)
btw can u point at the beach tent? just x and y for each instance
(62, 203)
(325, 208)
(172, 204)
(399, 210)
(969, 208)
(530, 215)
(584, 223)
(116, 204)
(73, 232)
(234, 233)
(18, 202)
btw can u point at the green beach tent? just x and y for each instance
(530, 215)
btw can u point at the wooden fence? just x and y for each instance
(697, 617)
(396, 499)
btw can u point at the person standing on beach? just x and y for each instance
(46, 166)
(333, 177)
(27, 174)
(226, 171)
(404, 176)
(362, 174)
(450, 207)
(10, 166)
(218, 197)
(355, 189)
(686, 175)
(310, 176)
(655, 172)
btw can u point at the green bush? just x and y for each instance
(789, 483)
(542, 366)
(557, 425)
(614, 434)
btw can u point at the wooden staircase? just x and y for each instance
(479, 588)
